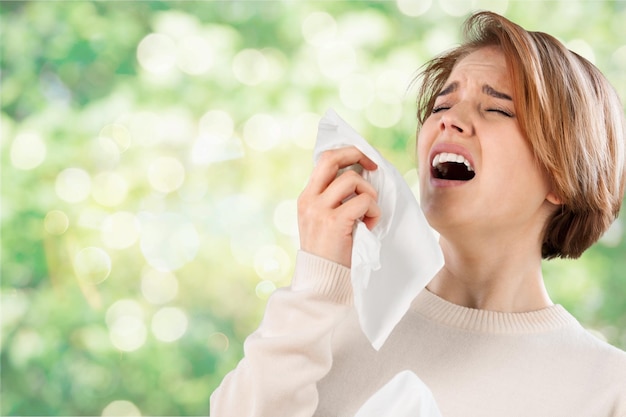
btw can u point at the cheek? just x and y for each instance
(517, 167)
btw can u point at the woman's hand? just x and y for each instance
(325, 218)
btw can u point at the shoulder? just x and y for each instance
(595, 344)
(599, 356)
(585, 360)
(579, 340)
(584, 355)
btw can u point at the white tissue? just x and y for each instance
(394, 261)
(404, 396)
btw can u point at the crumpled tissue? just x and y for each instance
(395, 260)
(404, 396)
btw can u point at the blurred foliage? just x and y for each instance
(152, 152)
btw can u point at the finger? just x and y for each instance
(370, 222)
(346, 185)
(331, 161)
(364, 207)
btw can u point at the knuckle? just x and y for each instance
(332, 219)
(309, 210)
(303, 205)
(350, 178)
(369, 201)
(326, 157)
(304, 210)
(353, 175)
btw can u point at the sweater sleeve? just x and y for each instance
(291, 350)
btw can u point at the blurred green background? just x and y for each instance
(152, 153)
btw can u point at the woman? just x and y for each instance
(521, 157)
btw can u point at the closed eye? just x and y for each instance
(501, 111)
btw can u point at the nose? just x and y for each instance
(457, 119)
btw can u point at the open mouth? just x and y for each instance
(452, 167)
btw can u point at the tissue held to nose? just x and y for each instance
(326, 214)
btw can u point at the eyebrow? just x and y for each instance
(451, 88)
(487, 89)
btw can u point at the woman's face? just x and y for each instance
(477, 172)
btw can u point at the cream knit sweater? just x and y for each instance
(309, 358)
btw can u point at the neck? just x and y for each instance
(496, 277)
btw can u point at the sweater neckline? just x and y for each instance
(437, 309)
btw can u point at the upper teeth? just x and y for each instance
(451, 157)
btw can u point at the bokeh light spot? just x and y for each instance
(276, 63)
(582, 48)
(303, 130)
(127, 330)
(383, 114)
(264, 289)
(28, 151)
(250, 67)
(369, 28)
(211, 148)
(262, 132)
(391, 86)
(336, 59)
(26, 345)
(73, 185)
(116, 137)
(169, 324)
(235, 213)
(174, 127)
(166, 174)
(619, 57)
(94, 338)
(413, 8)
(56, 222)
(496, 6)
(237, 216)
(456, 7)
(120, 230)
(286, 217)
(319, 28)
(357, 91)
(272, 263)
(194, 189)
(144, 126)
(216, 142)
(175, 23)
(121, 408)
(218, 342)
(92, 265)
(13, 305)
(168, 240)
(245, 243)
(438, 40)
(195, 55)
(157, 53)
(121, 309)
(109, 189)
(217, 122)
(158, 287)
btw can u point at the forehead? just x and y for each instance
(488, 63)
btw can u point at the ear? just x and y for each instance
(553, 198)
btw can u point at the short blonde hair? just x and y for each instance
(569, 113)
